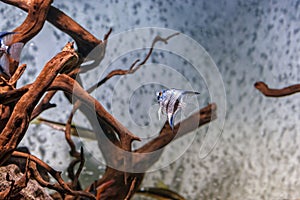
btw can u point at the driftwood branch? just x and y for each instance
(69, 85)
(34, 21)
(17, 125)
(135, 65)
(85, 41)
(55, 174)
(270, 92)
(204, 116)
(20, 105)
(31, 26)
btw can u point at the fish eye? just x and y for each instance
(159, 94)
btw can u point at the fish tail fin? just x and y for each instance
(15, 50)
(7, 37)
(4, 64)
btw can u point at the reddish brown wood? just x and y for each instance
(270, 92)
(19, 106)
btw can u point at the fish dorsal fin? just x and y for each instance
(190, 93)
(15, 50)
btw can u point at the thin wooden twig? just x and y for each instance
(270, 92)
(102, 188)
(81, 165)
(73, 150)
(55, 174)
(134, 66)
(131, 189)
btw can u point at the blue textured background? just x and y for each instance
(258, 155)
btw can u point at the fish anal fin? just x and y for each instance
(171, 120)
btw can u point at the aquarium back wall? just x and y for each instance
(257, 155)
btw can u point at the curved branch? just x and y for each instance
(19, 120)
(269, 92)
(55, 174)
(31, 26)
(204, 116)
(85, 41)
(37, 12)
(155, 147)
(134, 66)
(69, 85)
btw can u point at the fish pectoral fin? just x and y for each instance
(159, 113)
(15, 50)
(181, 105)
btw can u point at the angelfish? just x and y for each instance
(170, 102)
(8, 51)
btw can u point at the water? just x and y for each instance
(257, 156)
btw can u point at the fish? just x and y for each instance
(8, 50)
(171, 101)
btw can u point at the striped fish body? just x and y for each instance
(170, 101)
(8, 50)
